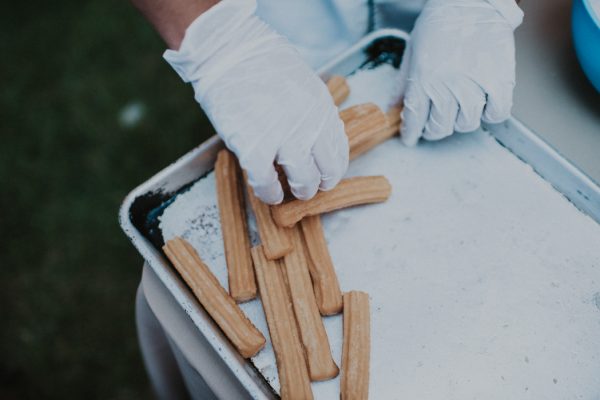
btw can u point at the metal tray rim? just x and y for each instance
(588, 201)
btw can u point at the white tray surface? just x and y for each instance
(484, 281)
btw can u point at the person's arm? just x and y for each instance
(171, 18)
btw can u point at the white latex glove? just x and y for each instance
(459, 67)
(263, 100)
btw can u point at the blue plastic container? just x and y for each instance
(586, 36)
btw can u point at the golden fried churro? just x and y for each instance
(220, 306)
(312, 331)
(349, 192)
(275, 239)
(394, 116)
(364, 143)
(354, 382)
(322, 272)
(232, 210)
(289, 354)
(338, 88)
(361, 123)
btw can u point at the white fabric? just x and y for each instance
(459, 67)
(263, 100)
(203, 368)
(163, 368)
(332, 27)
(399, 14)
(321, 29)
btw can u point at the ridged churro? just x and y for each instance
(365, 142)
(275, 239)
(354, 382)
(349, 192)
(312, 331)
(218, 304)
(362, 123)
(289, 355)
(325, 281)
(232, 210)
(338, 88)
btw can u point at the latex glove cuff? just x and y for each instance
(213, 33)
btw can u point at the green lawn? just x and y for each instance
(69, 154)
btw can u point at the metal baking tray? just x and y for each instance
(140, 210)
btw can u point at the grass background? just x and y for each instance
(68, 274)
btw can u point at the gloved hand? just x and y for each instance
(459, 67)
(263, 100)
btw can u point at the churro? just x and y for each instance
(312, 331)
(354, 382)
(349, 192)
(363, 142)
(325, 282)
(232, 210)
(289, 356)
(361, 123)
(338, 88)
(275, 239)
(218, 304)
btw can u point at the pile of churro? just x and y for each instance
(292, 269)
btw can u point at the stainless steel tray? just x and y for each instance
(139, 211)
